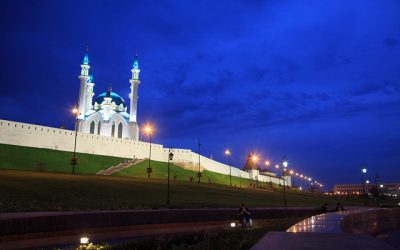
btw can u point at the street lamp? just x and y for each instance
(149, 131)
(285, 164)
(199, 173)
(228, 154)
(254, 158)
(268, 163)
(74, 160)
(170, 158)
(364, 171)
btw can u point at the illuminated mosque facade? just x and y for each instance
(107, 114)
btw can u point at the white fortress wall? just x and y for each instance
(217, 167)
(30, 135)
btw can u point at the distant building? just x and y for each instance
(354, 189)
(107, 115)
(251, 164)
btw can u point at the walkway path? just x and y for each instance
(119, 167)
(36, 229)
(322, 231)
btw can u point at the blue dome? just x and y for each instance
(114, 98)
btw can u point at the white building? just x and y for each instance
(107, 115)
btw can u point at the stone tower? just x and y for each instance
(86, 88)
(133, 96)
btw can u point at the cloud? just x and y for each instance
(392, 42)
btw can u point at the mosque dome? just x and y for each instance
(116, 101)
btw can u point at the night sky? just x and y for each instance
(315, 81)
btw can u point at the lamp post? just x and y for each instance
(74, 160)
(255, 159)
(364, 171)
(149, 131)
(199, 173)
(170, 158)
(268, 163)
(285, 164)
(228, 155)
(277, 167)
(240, 178)
(378, 199)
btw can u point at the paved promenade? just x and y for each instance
(321, 232)
(39, 229)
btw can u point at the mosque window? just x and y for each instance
(120, 130)
(98, 128)
(112, 130)
(92, 125)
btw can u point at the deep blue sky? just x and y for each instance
(316, 81)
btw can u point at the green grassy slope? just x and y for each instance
(33, 190)
(26, 158)
(160, 171)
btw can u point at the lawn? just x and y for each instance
(160, 171)
(27, 158)
(37, 191)
(39, 159)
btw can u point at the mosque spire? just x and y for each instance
(133, 96)
(86, 57)
(135, 61)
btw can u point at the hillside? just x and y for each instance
(35, 191)
(27, 158)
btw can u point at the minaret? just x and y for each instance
(83, 90)
(133, 96)
(89, 93)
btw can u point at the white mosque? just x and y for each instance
(108, 114)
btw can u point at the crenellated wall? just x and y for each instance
(30, 135)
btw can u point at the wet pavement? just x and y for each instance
(322, 231)
(324, 223)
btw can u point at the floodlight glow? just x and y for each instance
(276, 166)
(254, 158)
(233, 224)
(227, 152)
(364, 170)
(75, 111)
(381, 186)
(267, 163)
(84, 240)
(285, 164)
(148, 129)
(367, 181)
(291, 172)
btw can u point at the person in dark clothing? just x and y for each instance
(324, 208)
(244, 216)
(339, 207)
